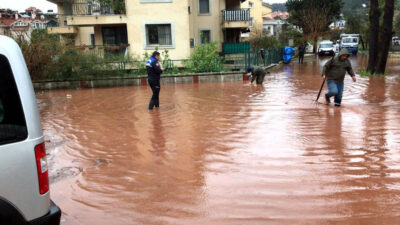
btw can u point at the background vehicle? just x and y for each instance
(24, 189)
(326, 48)
(350, 41)
(309, 48)
(395, 41)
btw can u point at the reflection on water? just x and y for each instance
(228, 153)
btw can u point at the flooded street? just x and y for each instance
(228, 153)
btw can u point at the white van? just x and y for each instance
(350, 41)
(395, 41)
(24, 189)
(326, 48)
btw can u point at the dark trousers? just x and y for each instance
(301, 58)
(155, 87)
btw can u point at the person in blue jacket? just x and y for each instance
(154, 71)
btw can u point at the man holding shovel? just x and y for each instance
(256, 73)
(334, 72)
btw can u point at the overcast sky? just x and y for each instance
(44, 5)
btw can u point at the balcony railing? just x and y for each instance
(94, 8)
(236, 15)
(106, 51)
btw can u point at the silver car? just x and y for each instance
(24, 189)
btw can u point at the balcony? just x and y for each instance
(62, 30)
(93, 13)
(60, 26)
(236, 18)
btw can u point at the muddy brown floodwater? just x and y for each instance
(228, 153)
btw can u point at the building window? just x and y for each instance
(158, 34)
(114, 35)
(204, 6)
(251, 21)
(21, 24)
(38, 25)
(205, 36)
(251, 5)
(191, 42)
(92, 40)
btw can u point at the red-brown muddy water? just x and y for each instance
(228, 153)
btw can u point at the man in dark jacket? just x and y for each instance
(154, 71)
(257, 74)
(335, 70)
(302, 50)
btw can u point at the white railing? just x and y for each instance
(236, 15)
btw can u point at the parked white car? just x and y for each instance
(24, 189)
(326, 48)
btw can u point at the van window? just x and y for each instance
(350, 40)
(12, 119)
(326, 45)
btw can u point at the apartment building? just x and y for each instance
(144, 25)
(21, 24)
(258, 10)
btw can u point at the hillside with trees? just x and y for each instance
(278, 7)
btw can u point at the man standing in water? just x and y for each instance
(335, 70)
(302, 50)
(154, 71)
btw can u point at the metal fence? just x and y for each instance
(182, 66)
(116, 63)
(105, 50)
(263, 57)
(234, 48)
(95, 8)
(91, 9)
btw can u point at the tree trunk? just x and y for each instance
(362, 42)
(374, 15)
(386, 36)
(315, 45)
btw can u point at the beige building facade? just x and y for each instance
(258, 11)
(145, 25)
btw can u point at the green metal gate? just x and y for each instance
(255, 58)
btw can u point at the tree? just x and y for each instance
(374, 15)
(354, 7)
(397, 25)
(38, 51)
(353, 24)
(278, 7)
(380, 35)
(334, 34)
(313, 16)
(260, 39)
(385, 38)
(290, 32)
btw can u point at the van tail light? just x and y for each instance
(41, 163)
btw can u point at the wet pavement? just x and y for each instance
(228, 153)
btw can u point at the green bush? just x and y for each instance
(365, 73)
(48, 59)
(75, 64)
(205, 58)
(39, 52)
